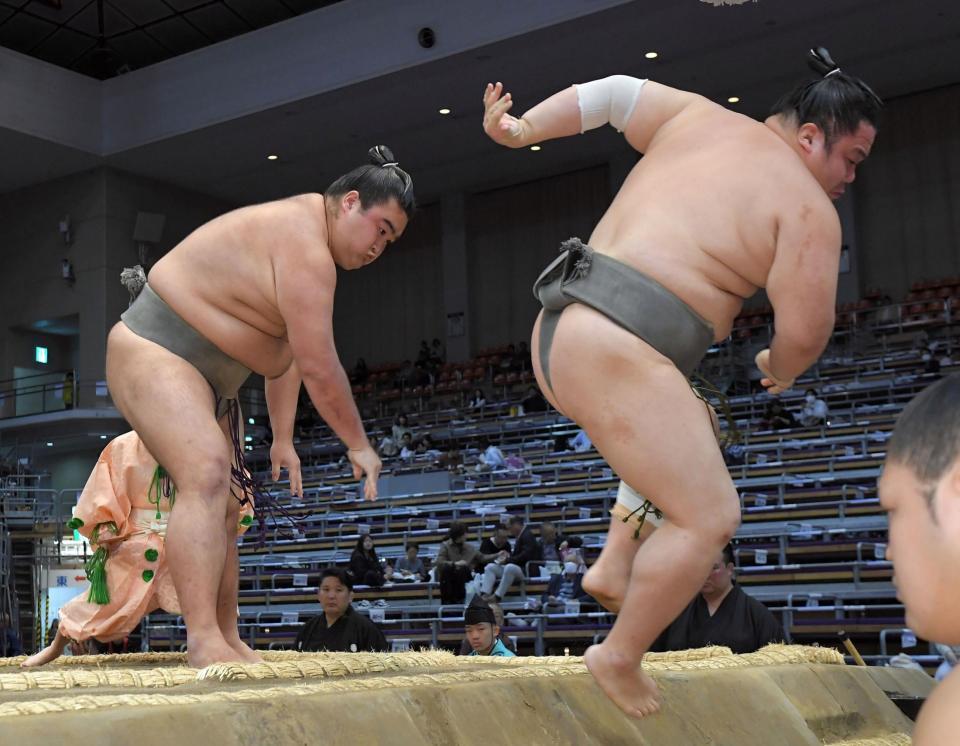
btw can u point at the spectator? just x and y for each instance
(425, 448)
(406, 447)
(365, 565)
(422, 375)
(9, 640)
(580, 442)
(721, 614)
(483, 632)
(423, 356)
(931, 365)
(388, 447)
(565, 586)
(438, 355)
(511, 569)
(549, 542)
(496, 546)
(456, 562)
(400, 427)
(814, 411)
(410, 568)
(571, 550)
(452, 460)
(68, 382)
(506, 360)
(404, 375)
(521, 359)
(533, 401)
(491, 458)
(776, 417)
(466, 648)
(477, 399)
(339, 629)
(360, 371)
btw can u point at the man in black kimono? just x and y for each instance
(339, 628)
(721, 614)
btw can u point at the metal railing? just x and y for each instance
(57, 391)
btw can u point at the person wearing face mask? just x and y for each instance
(814, 411)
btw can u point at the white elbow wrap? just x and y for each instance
(608, 100)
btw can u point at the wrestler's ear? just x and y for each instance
(807, 136)
(948, 498)
(350, 200)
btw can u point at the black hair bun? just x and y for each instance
(381, 155)
(820, 61)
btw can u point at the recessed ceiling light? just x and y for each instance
(103, 437)
(49, 444)
(733, 100)
(651, 55)
(443, 111)
(248, 438)
(250, 420)
(272, 157)
(534, 148)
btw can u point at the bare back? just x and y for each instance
(222, 278)
(703, 210)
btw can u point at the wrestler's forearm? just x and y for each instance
(331, 395)
(282, 395)
(557, 116)
(791, 356)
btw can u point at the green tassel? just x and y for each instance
(74, 523)
(246, 520)
(96, 568)
(161, 487)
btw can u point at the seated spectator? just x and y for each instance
(549, 542)
(483, 632)
(533, 401)
(477, 399)
(776, 417)
(422, 375)
(565, 586)
(721, 614)
(509, 570)
(438, 355)
(931, 365)
(406, 447)
(410, 568)
(360, 371)
(496, 546)
(426, 449)
(388, 447)
(491, 458)
(571, 550)
(580, 442)
(452, 460)
(521, 358)
(365, 565)
(456, 561)
(466, 648)
(814, 411)
(506, 360)
(404, 375)
(400, 427)
(339, 629)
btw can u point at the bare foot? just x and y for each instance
(623, 681)
(203, 651)
(606, 587)
(249, 654)
(49, 653)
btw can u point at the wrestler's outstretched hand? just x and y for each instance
(284, 456)
(500, 126)
(366, 463)
(770, 382)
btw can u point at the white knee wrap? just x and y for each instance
(608, 100)
(630, 505)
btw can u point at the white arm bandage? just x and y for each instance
(608, 100)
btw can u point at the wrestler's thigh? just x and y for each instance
(642, 416)
(171, 406)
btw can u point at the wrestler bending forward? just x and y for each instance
(719, 206)
(251, 290)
